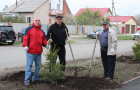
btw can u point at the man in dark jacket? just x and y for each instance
(58, 37)
(33, 40)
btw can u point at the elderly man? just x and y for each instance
(58, 37)
(33, 40)
(108, 43)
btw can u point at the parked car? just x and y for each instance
(93, 34)
(136, 35)
(21, 34)
(7, 35)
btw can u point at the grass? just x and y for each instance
(122, 37)
(71, 41)
(123, 71)
(85, 37)
(18, 42)
(125, 37)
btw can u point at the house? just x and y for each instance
(104, 11)
(127, 23)
(46, 10)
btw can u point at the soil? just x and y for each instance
(126, 69)
(70, 83)
(128, 59)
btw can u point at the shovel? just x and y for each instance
(92, 56)
(75, 74)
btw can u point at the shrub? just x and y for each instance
(51, 71)
(136, 50)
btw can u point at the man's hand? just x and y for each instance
(26, 49)
(68, 38)
(50, 41)
(112, 51)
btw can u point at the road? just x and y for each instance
(133, 85)
(14, 56)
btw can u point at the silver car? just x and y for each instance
(93, 34)
(136, 35)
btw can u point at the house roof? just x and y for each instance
(102, 10)
(25, 6)
(121, 18)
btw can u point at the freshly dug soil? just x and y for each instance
(128, 59)
(70, 83)
(15, 81)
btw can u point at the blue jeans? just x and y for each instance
(29, 63)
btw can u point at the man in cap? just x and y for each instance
(108, 43)
(58, 38)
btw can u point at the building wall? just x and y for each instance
(131, 22)
(66, 8)
(43, 13)
(108, 13)
(54, 4)
(28, 15)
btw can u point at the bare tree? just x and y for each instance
(6, 6)
(69, 19)
(138, 18)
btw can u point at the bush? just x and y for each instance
(136, 50)
(51, 71)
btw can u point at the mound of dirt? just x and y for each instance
(128, 59)
(70, 83)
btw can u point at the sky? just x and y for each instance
(122, 7)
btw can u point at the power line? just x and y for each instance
(126, 6)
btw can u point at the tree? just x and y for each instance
(138, 18)
(13, 19)
(88, 17)
(103, 19)
(69, 19)
(6, 6)
(1, 17)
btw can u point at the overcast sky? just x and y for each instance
(122, 7)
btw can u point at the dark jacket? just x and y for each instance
(34, 37)
(58, 34)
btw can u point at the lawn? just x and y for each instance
(125, 37)
(18, 42)
(122, 37)
(71, 41)
(85, 37)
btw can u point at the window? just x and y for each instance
(108, 14)
(58, 6)
(28, 19)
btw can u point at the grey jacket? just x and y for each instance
(112, 42)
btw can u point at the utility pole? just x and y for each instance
(16, 3)
(113, 8)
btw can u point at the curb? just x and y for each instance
(131, 80)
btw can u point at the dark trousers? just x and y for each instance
(62, 55)
(108, 62)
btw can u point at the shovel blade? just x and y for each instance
(75, 74)
(88, 74)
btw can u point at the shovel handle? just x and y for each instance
(70, 48)
(93, 52)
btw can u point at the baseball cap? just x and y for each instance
(59, 16)
(105, 22)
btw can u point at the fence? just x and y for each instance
(73, 29)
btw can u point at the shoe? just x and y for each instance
(27, 83)
(108, 78)
(103, 77)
